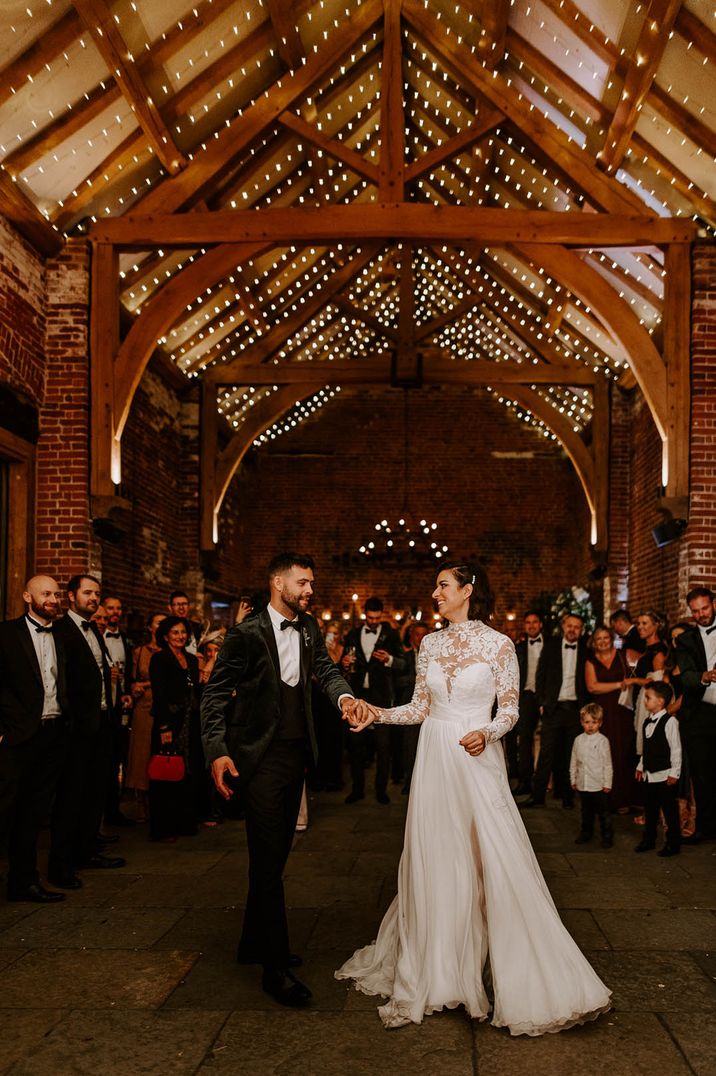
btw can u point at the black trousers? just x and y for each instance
(560, 727)
(359, 744)
(271, 798)
(28, 780)
(658, 796)
(596, 804)
(526, 727)
(698, 732)
(80, 799)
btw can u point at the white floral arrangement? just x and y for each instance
(572, 600)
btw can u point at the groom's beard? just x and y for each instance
(295, 604)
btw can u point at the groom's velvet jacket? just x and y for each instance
(240, 704)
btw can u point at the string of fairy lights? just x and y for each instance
(278, 170)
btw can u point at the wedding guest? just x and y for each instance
(529, 651)
(34, 718)
(244, 608)
(650, 663)
(326, 775)
(372, 653)
(101, 619)
(79, 804)
(561, 692)
(140, 735)
(179, 607)
(590, 773)
(625, 630)
(120, 658)
(174, 677)
(685, 791)
(210, 805)
(404, 687)
(604, 673)
(659, 768)
(209, 646)
(696, 653)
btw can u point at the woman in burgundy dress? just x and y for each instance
(604, 672)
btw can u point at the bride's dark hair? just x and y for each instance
(482, 600)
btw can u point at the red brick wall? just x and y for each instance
(22, 323)
(322, 487)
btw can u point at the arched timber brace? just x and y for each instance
(218, 468)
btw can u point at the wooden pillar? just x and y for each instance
(677, 359)
(600, 455)
(208, 454)
(104, 344)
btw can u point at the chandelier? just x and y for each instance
(409, 542)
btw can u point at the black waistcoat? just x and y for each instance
(292, 722)
(657, 753)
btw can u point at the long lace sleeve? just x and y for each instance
(507, 689)
(415, 711)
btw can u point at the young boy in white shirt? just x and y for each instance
(590, 774)
(660, 768)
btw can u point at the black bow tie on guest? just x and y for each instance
(86, 625)
(570, 646)
(371, 631)
(39, 627)
(112, 635)
(290, 624)
(712, 628)
(537, 640)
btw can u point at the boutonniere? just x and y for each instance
(306, 636)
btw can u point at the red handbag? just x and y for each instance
(166, 768)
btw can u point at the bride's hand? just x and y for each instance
(363, 715)
(474, 743)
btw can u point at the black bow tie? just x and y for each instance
(112, 635)
(709, 630)
(371, 631)
(570, 646)
(533, 642)
(38, 627)
(651, 720)
(86, 625)
(290, 624)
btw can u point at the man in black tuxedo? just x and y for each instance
(81, 790)
(257, 728)
(372, 654)
(696, 658)
(529, 651)
(622, 623)
(33, 733)
(120, 659)
(561, 692)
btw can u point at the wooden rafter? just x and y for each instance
(686, 122)
(338, 223)
(99, 21)
(579, 23)
(451, 147)
(557, 79)
(646, 57)
(392, 117)
(696, 33)
(288, 39)
(41, 52)
(332, 147)
(17, 207)
(491, 42)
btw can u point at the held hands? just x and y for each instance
(219, 767)
(474, 743)
(359, 714)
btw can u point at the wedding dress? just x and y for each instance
(473, 911)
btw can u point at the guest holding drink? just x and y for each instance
(605, 671)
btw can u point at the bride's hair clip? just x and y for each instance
(473, 580)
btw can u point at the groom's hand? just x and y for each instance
(219, 767)
(363, 715)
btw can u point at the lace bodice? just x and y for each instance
(460, 671)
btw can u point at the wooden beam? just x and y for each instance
(120, 159)
(112, 48)
(491, 43)
(400, 220)
(27, 218)
(246, 128)
(288, 39)
(695, 129)
(641, 70)
(160, 312)
(556, 78)
(579, 24)
(208, 453)
(104, 340)
(46, 48)
(600, 450)
(249, 302)
(451, 147)
(264, 349)
(696, 33)
(677, 355)
(392, 115)
(339, 151)
(617, 317)
(352, 311)
(437, 370)
(702, 203)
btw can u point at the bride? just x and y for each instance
(473, 912)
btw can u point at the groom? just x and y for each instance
(257, 728)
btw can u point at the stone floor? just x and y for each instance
(136, 972)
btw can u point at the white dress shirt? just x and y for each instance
(118, 656)
(93, 643)
(590, 767)
(709, 642)
(673, 737)
(368, 643)
(534, 649)
(46, 654)
(568, 690)
(288, 644)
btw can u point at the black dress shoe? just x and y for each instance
(35, 894)
(285, 988)
(382, 797)
(64, 880)
(107, 838)
(294, 960)
(645, 846)
(532, 802)
(522, 790)
(695, 838)
(668, 850)
(353, 797)
(119, 820)
(100, 862)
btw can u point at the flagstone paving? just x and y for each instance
(136, 972)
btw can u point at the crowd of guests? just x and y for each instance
(92, 725)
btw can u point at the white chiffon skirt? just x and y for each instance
(472, 909)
